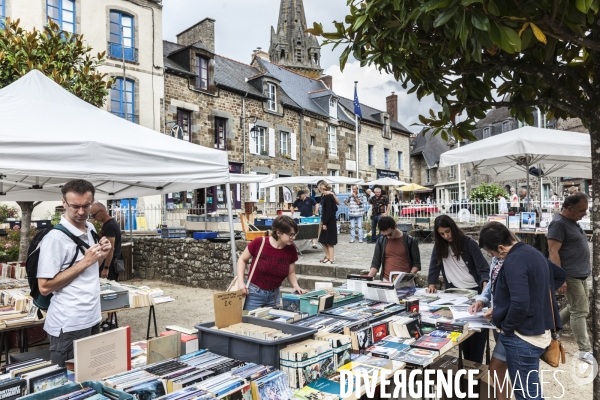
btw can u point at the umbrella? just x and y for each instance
(385, 182)
(411, 187)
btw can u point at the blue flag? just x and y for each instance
(357, 110)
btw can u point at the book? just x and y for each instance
(49, 380)
(12, 389)
(104, 354)
(513, 222)
(497, 218)
(455, 325)
(178, 328)
(164, 347)
(441, 344)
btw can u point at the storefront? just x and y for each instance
(448, 192)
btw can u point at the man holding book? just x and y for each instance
(395, 251)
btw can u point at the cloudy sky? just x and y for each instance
(243, 25)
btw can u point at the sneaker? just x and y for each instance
(315, 246)
(360, 241)
(587, 356)
(352, 241)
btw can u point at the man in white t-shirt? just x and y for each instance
(74, 311)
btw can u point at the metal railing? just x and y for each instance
(115, 50)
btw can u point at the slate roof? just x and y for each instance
(495, 115)
(429, 146)
(233, 74)
(371, 114)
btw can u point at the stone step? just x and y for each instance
(338, 271)
(308, 281)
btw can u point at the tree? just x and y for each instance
(470, 53)
(61, 56)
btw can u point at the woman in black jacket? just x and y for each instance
(328, 235)
(463, 266)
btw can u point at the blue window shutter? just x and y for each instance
(122, 99)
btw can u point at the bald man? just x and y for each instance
(110, 230)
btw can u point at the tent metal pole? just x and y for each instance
(231, 232)
(528, 207)
(205, 211)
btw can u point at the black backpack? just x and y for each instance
(31, 266)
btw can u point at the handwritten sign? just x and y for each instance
(228, 308)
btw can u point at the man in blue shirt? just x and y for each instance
(305, 205)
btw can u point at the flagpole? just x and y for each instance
(356, 135)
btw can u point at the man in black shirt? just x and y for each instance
(110, 230)
(304, 204)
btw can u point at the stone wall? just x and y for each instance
(189, 262)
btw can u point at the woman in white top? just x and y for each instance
(463, 266)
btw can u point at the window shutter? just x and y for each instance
(253, 187)
(293, 145)
(252, 142)
(272, 195)
(271, 142)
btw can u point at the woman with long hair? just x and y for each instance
(328, 235)
(273, 259)
(463, 266)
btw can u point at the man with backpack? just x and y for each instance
(67, 269)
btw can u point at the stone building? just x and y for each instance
(130, 32)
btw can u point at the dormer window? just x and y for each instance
(506, 126)
(202, 73)
(333, 113)
(486, 133)
(272, 96)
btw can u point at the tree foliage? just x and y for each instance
(470, 53)
(487, 192)
(60, 55)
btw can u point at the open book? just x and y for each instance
(402, 279)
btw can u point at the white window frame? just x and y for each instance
(400, 155)
(272, 95)
(428, 175)
(261, 141)
(261, 191)
(333, 113)
(332, 139)
(335, 187)
(487, 132)
(506, 126)
(284, 140)
(452, 173)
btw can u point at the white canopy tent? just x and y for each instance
(511, 155)
(385, 182)
(49, 136)
(312, 180)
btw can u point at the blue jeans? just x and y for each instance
(356, 221)
(374, 220)
(523, 363)
(258, 297)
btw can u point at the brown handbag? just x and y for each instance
(233, 283)
(555, 352)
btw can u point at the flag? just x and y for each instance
(357, 110)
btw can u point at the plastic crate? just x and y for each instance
(310, 304)
(249, 349)
(72, 387)
(310, 220)
(204, 235)
(259, 222)
(291, 302)
(173, 233)
(116, 300)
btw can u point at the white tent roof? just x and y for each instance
(247, 178)
(312, 180)
(385, 182)
(50, 136)
(509, 155)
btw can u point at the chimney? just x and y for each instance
(260, 54)
(392, 106)
(203, 31)
(327, 80)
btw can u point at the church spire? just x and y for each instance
(291, 46)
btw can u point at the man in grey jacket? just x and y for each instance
(395, 251)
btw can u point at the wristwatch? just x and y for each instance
(105, 267)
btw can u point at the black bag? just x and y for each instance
(33, 255)
(119, 264)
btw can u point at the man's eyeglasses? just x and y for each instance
(94, 214)
(76, 207)
(389, 235)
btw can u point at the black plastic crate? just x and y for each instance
(250, 349)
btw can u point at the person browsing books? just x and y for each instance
(276, 261)
(463, 266)
(524, 306)
(395, 251)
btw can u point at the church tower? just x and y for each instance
(291, 46)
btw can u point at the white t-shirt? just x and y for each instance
(77, 305)
(514, 200)
(457, 273)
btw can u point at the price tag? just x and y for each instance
(228, 308)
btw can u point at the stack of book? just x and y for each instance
(325, 323)
(340, 344)
(358, 282)
(454, 325)
(255, 331)
(389, 347)
(306, 361)
(10, 283)
(361, 336)
(454, 336)
(191, 392)
(405, 325)
(139, 296)
(30, 376)
(273, 314)
(14, 270)
(371, 310)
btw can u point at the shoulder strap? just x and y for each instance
(552, 308)
(81, 245)
(256, 261)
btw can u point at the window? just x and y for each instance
(427, 176)
(202, 73)
(387, 133)
(370, 155)
(349, 187)
(350, 155)
(61, 12)
(122, 99)
(486, 133)
(262, 191)
(335, 187)
(452, 171)
(312, 141)
(400, 161)
(183, 120)
(220, 133)
(332, 139)
(506, 126)
(284, 140)
(121, 36)
(272, 95)
(333, 113)
(386, 158)
(261, 141)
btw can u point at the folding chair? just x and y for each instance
(425, 233)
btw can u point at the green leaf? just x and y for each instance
(469, 2)
(444, 17)
(493, 8)
(512, 38)
(359, 22)
(435, 4)
(583, 5)
(480, 20)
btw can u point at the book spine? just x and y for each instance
(128, 330)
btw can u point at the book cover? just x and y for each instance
(528, 221)
(514, 222)
(497, 218)
(441, 344)
(380, 331)
(48, 380)
(107, 353)
(13, 389)
(148, 390)
(164, 347)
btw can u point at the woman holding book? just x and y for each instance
(525, 309)
(273, 259)
(463, 266)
